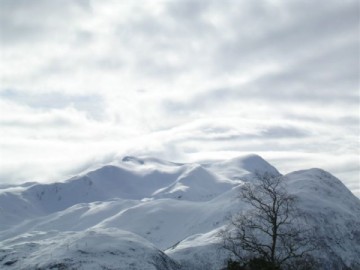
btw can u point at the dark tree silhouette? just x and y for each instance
(270, 235)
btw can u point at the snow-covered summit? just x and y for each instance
(240, 167)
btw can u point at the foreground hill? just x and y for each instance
(122, 215)
(89, 249)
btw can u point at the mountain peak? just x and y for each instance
(244, 165)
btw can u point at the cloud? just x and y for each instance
(23, 21)
(297, 30)
(284, 132)
(91, 104)
(182, 80)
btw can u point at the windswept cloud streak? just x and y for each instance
(84, 82)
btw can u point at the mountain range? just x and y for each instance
(148, 213)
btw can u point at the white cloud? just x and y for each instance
(182, 80)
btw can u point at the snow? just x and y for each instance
(150, 205)
(89, 249)
(242, 167)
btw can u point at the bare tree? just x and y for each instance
(271, 231)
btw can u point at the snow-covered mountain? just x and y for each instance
(146, 213)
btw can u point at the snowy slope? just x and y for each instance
(329, 207)
(90, 249)
(177, 208)
(133, 179)
(242, 167)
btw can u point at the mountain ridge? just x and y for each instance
(179, 208)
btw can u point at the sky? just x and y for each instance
(83, 83)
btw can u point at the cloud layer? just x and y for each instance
(83, 82)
